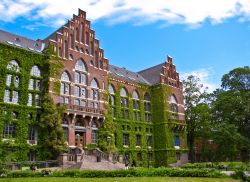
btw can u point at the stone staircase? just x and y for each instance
(95, 160)
(90, 162)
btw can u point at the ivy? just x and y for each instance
(17, 149)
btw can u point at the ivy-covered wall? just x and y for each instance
(160, 128)
(17, 149)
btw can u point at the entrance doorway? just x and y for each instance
(80, 139)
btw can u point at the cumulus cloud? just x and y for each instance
(191, 12)
(205, 76)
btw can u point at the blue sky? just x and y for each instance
(207, 38)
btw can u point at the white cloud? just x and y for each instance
(205, 76)
(191, 12)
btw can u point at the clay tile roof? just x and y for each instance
(21, 42)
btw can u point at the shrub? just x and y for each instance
(138, 172)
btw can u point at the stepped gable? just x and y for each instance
(127, 75)
(76, 36)
(164, 73)
(21, 42)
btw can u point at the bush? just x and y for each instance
(138, 172)
(239, 174)
(4, 172)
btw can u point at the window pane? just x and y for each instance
(15, 97)
(29, 100)
(31, 84)
(77, 77)
(38, 85)
(8, 80)
(7, 96)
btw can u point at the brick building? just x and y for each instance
(140, 114)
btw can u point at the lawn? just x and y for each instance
(130, 179)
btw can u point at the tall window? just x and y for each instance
(94, 134)
(124, 103)
(94, 93)
(138, 140)
(149, 140)
(147, 107)
(9, 131)
(173, 103)
(136, 106)
(32, 133)
(112, 99)
(12, 83)
(65, 88)
(80, 83)
(126, 139)
(34, 85)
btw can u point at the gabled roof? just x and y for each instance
(152, 74)
(21, 42)
(127, 75)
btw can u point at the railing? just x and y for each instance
(81, 108)
(105, 156)
(71, 158)
(39, 164)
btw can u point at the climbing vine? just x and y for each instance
(17, 148)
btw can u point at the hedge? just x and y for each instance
(140, 172)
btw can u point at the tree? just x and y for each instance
(52, 140)
(196, 112)
(232, 105)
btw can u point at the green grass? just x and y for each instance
(129, 179)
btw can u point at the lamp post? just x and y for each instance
(108, 141)
(210, 142)
(147, 150)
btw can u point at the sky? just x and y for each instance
(206, 38)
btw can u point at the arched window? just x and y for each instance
(124, 103)
(13, 66)
(12, 83)
(135, 95)
(35, 71)
(136, 103)
(123, 92)
(94, 90)
(173, 103)
(147, 97)
(136, 106)
(147, 107)
(65, 77)
(65, 88)
(80, 66)
(94, 84)
(111, 89)
(80, 83)
(94, 94)
(112, 99)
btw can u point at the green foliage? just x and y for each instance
(231, 113)
(196, 113)
(140, 172)
(52, 140)
(17, 149)
(228, 166)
